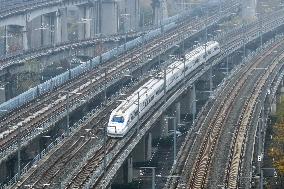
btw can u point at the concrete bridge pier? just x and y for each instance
(4, 172)
(2, 94)
(159, 11)
(156, 13)
(143, 150)
(141, 153)
(109, 17)
(84, 22)
(5, 37)
(47, 28)
(149, 147)
(25, 37)
(125, 174)
(129, 14)
(188, 102)
(185, 103)
(273, 107)
(281, 93)
(177, 113)
(129, 169)
(193, 101)
(248, 10)
(61, 34)
(34, 32)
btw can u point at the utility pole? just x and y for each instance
(19, 151)
(143, 17)
(261, 179)
(261, 40)
(206, 40)
(104, 129)
(227, 66)
(165, 83)
(143, 41)
(175, 138)
(183, 56)
(138, 107)
(193, 103)
(100, 16)
(153, 178)
(243, 36)
(175, 142)
(68, 112)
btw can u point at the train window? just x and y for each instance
(118, 119)
(215, 48)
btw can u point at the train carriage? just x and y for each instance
(126, 114)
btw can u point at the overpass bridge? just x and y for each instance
(232, 45)
(117, 158)
(46, 50)
(128, 58)
(39, 22)
(30, 24)
(236, 134)
(202, 26)
(254, 34)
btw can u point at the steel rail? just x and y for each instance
(238, 145)
(80, 82)
(92, 167)
(201, 166)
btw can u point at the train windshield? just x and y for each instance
(118, 119)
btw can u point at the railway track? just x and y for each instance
(128, 141)
(240, 136)
(83, 85)
(199, 157)
(92, 164)
(74, 149)
(96, 160)
(24, 56)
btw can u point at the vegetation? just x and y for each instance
(276, 149)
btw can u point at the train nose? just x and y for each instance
(113, 129)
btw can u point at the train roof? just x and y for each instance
(149, 85)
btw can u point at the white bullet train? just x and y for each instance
(126, 114)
